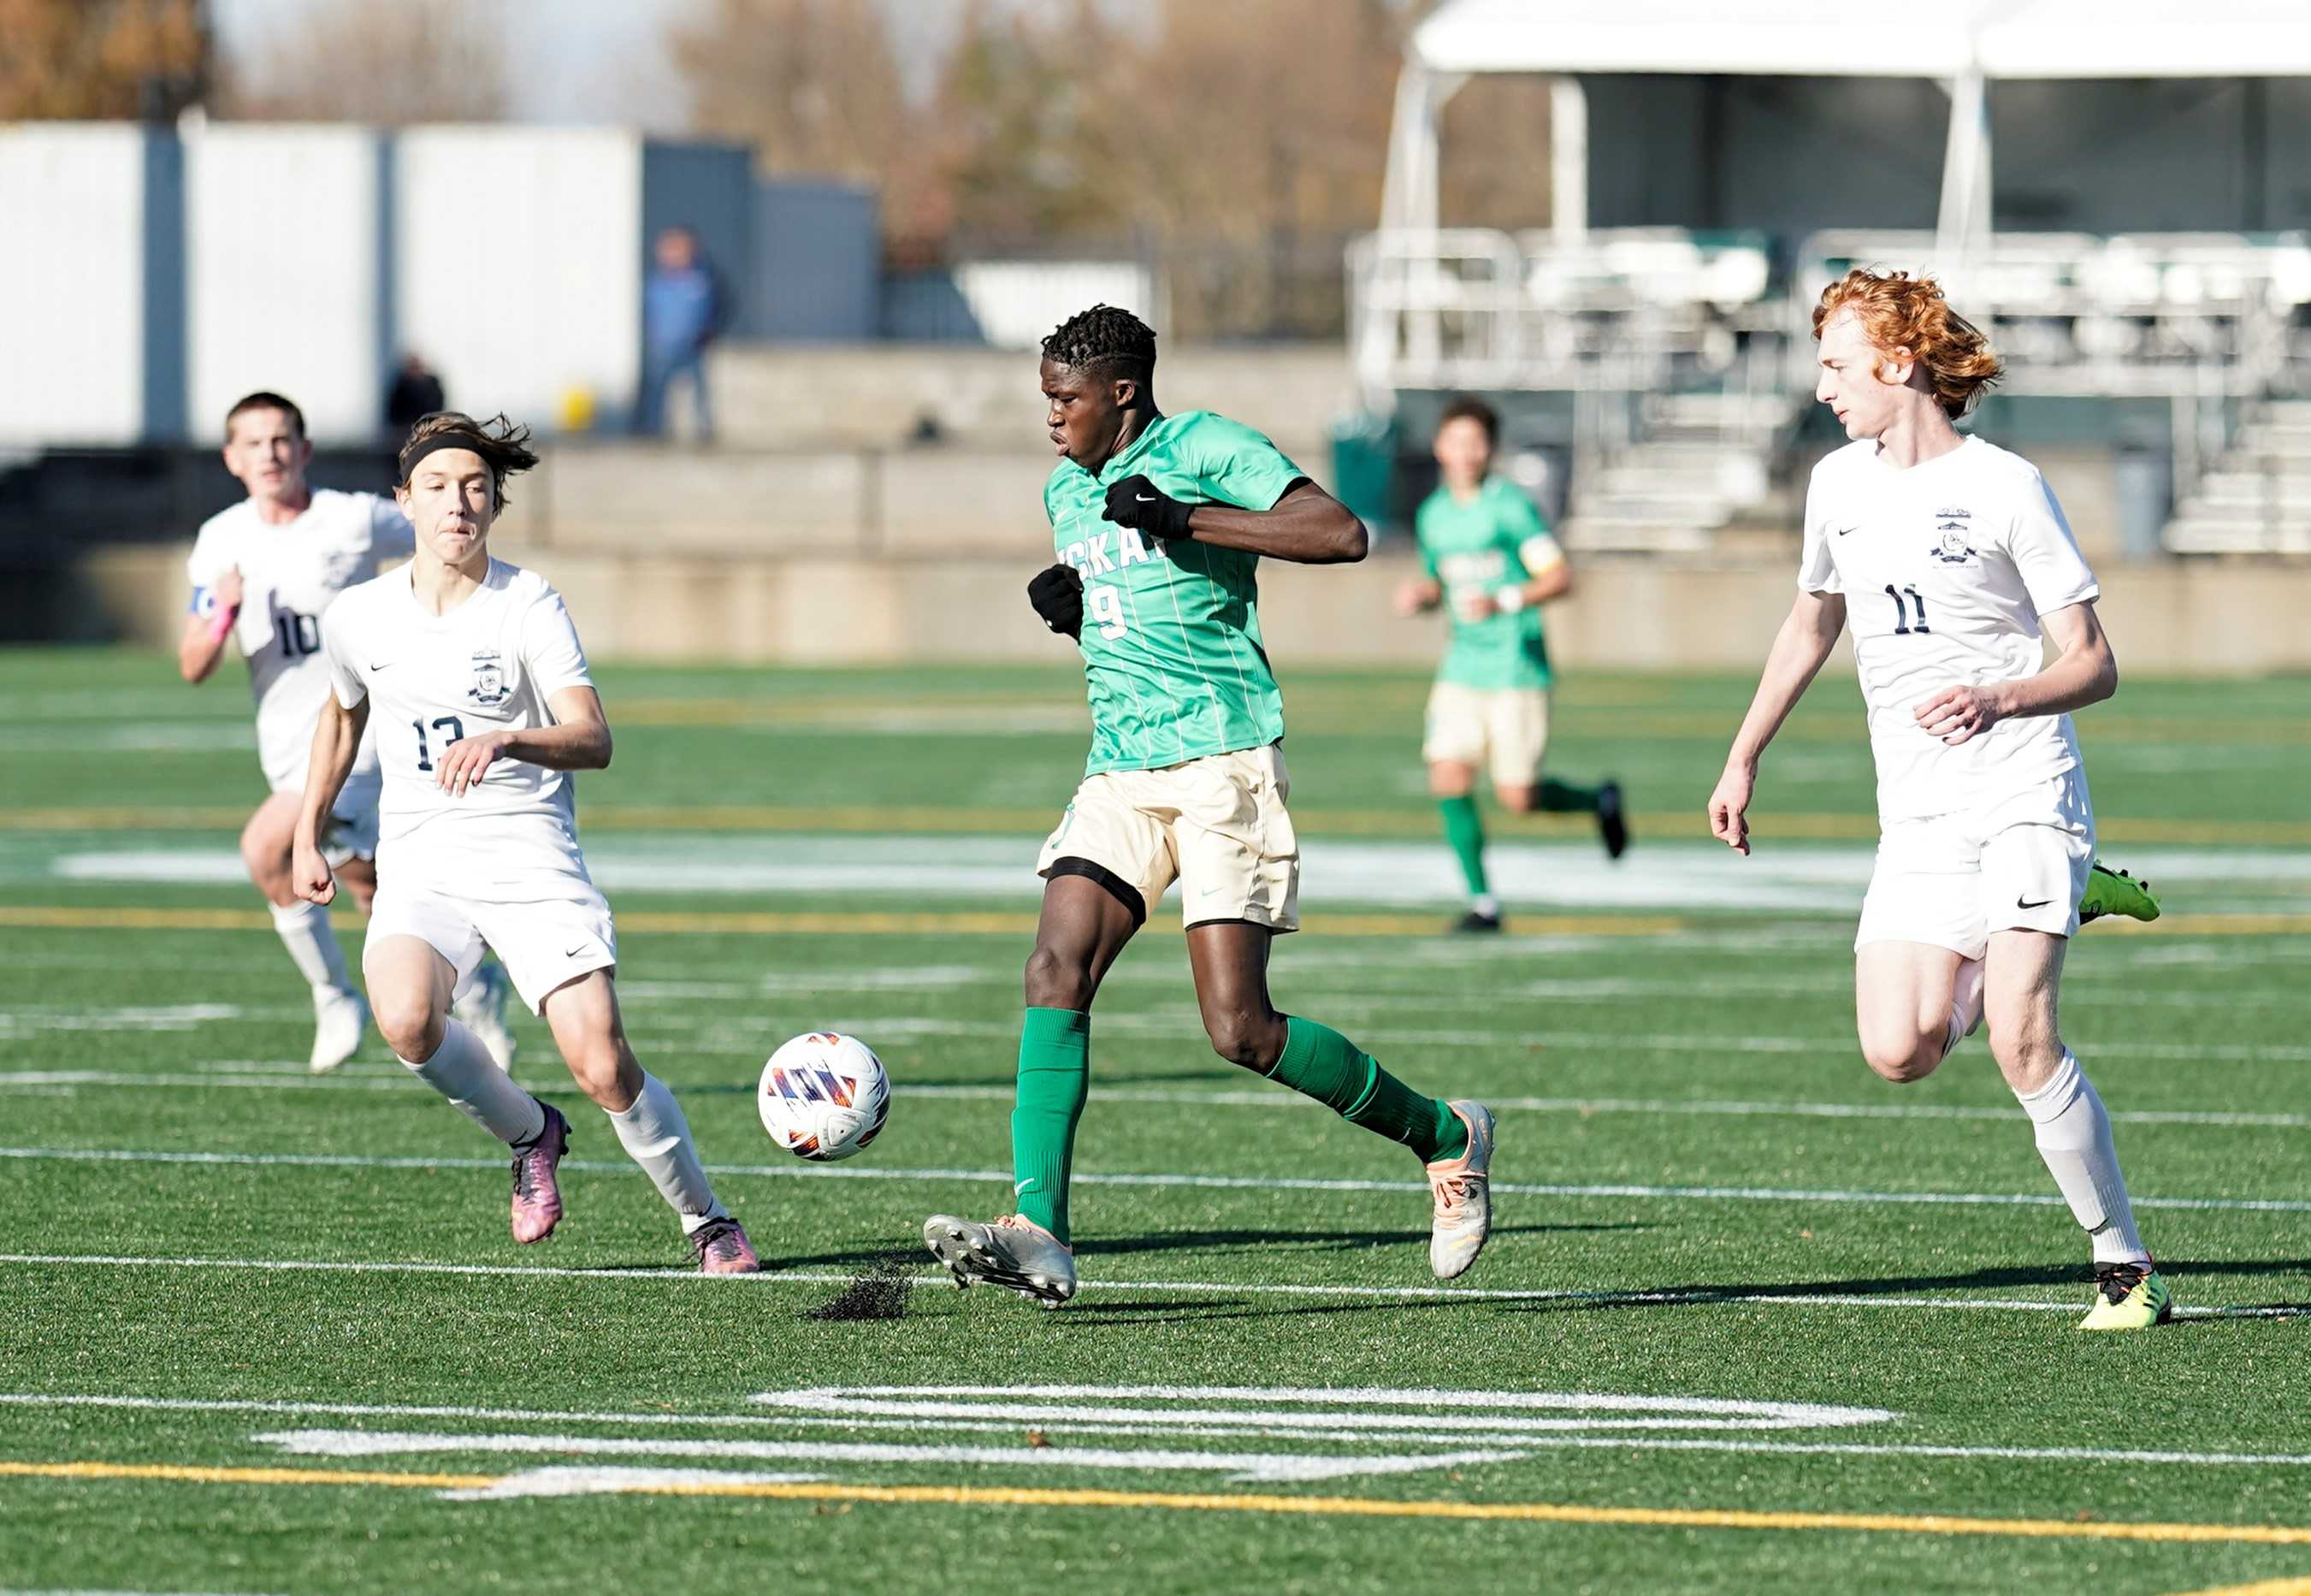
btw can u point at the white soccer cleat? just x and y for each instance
(1462, 1188)
(482, 1011)
(339, 1019)
(1013, 1252)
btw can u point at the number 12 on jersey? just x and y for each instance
(455, 728)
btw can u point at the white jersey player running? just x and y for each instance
(472, 673)
(1949, 558)
(264, 574)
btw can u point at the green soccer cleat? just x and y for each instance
(2128, 1296)
(2114, 892)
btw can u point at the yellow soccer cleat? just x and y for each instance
(2114, 892)
(2128, 1296)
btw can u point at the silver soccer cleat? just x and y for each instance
(1013, 1252)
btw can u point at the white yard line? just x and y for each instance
(1204, 1182)
(251, 1076)
(1729, 1296)
(37, 1400)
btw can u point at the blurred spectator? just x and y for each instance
(416, 391)
(683, 310)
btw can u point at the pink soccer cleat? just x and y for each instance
(722, 1248)
(536, 1196)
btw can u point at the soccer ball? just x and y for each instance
(823, 1095)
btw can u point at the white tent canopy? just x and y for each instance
(1974, 41)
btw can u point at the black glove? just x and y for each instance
(1138, 503)
(1057, 594)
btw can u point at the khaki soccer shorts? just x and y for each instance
(1216, 826)
(1504, 730)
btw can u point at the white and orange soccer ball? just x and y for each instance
(823, 1095)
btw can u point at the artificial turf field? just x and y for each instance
(1748, 1314)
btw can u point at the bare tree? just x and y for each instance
(437, 61)
(811, 83)
(90, 59)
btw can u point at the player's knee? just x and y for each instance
(1902, 1057)
(267, 864)
(1055, 980)
(2026, 1054)
(409, 1023)
(1243, 1036)
(599, 1072)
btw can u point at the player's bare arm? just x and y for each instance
(206, 636)
(337, 738)
(578, 740)
(2083, 672)
(1807, 636)
(1307, 526)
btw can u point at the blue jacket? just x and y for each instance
(682, 311)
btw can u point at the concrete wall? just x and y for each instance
(872, 396)
(825, 609)
(272, 302)
(73, 201)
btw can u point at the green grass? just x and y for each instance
(1637, 1060)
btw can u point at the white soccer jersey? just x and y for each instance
(290, 576)
(1946, 569)
(489, 665)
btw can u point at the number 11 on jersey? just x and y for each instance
(1902, 626)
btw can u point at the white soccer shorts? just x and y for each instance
(544, 943)
(1951, 880)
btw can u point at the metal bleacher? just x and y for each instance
(1689, 362)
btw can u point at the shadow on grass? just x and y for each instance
(2178, 1272)
(1211, 1241)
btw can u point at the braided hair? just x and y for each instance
(1104, 342)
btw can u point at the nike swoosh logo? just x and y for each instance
(1841, 531)
(1143, 498)
(2021, 903)
(386, 666)
(1022, 1186)
(572, 953)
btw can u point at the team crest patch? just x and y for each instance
(1951, 548)
(489, 688)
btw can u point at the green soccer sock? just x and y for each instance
(1319, 1062)
(1464, 829)
(1054, 1080)
(1566, 798)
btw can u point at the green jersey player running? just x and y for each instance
(1160, 522)
(1485, 553)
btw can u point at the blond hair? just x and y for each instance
(1899, 311)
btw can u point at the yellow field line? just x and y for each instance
(2268, 1587)
(187, 1474)
(952, 820)
(810, 923)
(1553, 1513)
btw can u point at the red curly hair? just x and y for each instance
(1899, 311)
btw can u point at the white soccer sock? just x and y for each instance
(2074, 1140)
(656, 1137)
(462, 1070)
(1486, 905)
(312, 944)
(1965, 1004)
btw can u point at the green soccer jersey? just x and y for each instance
(1487, 543)
(1171, 631)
